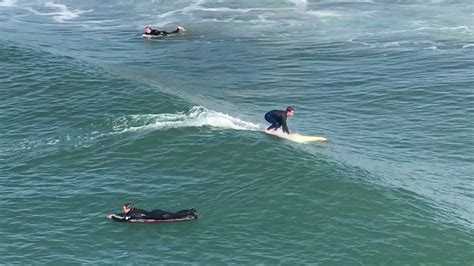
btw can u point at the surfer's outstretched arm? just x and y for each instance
(118, 218)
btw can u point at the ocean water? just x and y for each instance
(92, 116)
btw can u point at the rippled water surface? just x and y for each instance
(93, 116)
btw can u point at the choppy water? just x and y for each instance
(93, 116)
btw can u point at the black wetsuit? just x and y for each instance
(162, 32)
(154, 214)
(277, 118)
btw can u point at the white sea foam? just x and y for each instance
(433, 47)
(360, 42)
(456, 29)
(76, 141)
(193, 8)
(320, 13)
(60, 12)
(198, 116)
(299, 3)
(390, 44)
(7, 3)
(63, 13)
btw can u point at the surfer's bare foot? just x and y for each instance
(181, 29)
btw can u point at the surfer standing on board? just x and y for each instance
(277, 118)
(130, 212)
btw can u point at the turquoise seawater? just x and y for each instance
(92, 116)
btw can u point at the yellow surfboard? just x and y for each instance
(308, 138)
(296, 137)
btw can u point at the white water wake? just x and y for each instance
(197, 116)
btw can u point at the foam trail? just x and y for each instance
(198, 116)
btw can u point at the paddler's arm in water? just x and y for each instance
(119, 218)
